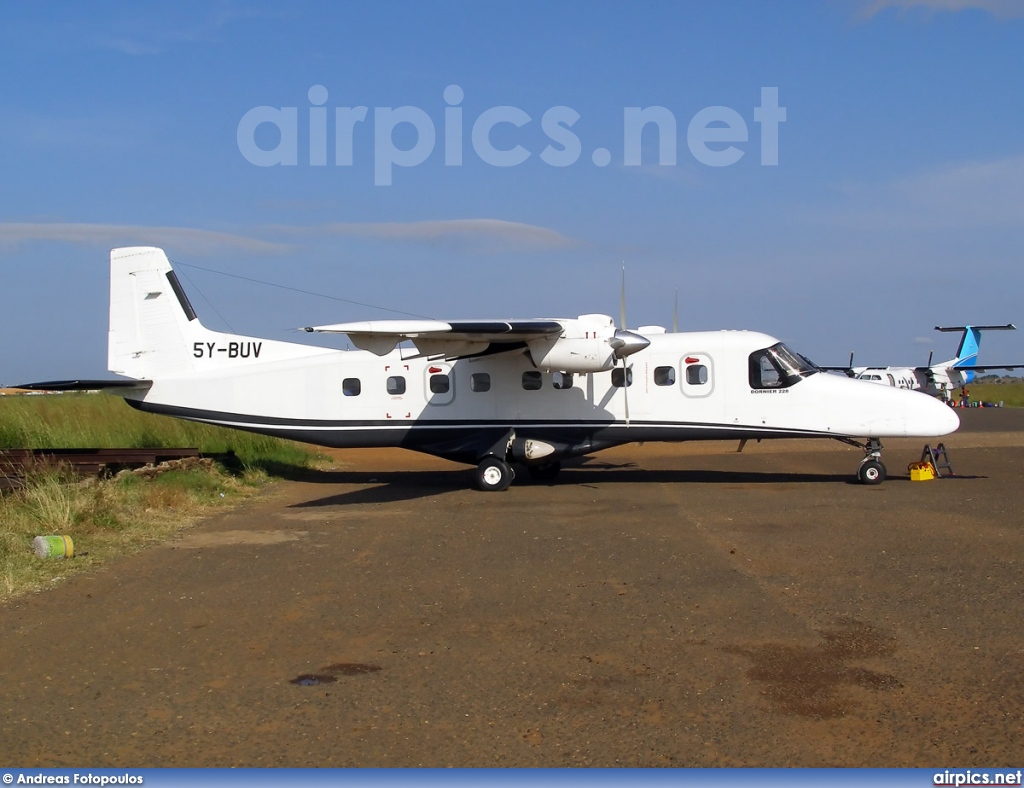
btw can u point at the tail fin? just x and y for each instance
(152, 323)
(970, 342)
(154, 332)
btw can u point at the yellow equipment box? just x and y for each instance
(921, 471)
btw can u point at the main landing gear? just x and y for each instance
(494, 474)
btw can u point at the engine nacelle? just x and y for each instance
(533, 450)
(572, 355)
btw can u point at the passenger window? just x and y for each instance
(532, 380)
(351, 387)
(696, 374)
(664, 376)
(561, 380)
(480, 381)
(621, 377)
(396, 385)
(439, 384)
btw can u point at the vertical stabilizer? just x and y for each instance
(970, 342)
(152, 322)
(967, 352)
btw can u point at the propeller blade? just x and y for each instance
(930, 354)
(625, 388)
(851, 360)
(622, 300)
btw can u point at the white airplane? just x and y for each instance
(939, 380)
(489, 392)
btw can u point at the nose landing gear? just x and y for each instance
(871, 470)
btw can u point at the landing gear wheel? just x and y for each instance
(871, 472)
(493, 475)
(545, 472)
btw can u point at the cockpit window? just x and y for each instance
(778, 367)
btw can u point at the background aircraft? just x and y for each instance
(939, 380)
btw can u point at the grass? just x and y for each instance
(1010, 394)
(111, 517)
(69, 421)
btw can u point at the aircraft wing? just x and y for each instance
(451, 338)
(848, 371)
(986, 367)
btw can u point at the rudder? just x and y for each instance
(151, 319)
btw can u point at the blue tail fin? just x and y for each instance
(967, 353)
(970, 341)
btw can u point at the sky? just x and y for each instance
(841, 174)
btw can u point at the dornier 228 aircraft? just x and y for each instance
(489, 393)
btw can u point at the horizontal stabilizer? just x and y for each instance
(1007, 327)
(86, 385)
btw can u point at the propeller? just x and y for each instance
(624, 343)
(930, 354)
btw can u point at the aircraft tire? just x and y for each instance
(493, 475)
(871, 472)
(545, 472)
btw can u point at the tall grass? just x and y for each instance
(106, 518)
(70, 421)
(110, 517)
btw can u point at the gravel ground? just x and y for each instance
(658, 606)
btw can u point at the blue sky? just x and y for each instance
(897, 202)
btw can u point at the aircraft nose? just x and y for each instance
(931, 418)
(950, 420)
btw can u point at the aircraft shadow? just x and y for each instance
(394, 486)
(387, 486)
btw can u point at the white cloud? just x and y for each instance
(184, 239)
(958, 196)
(127, 46)
(480, 235)
(485, 234)
(1002, 9)
(150, 34)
